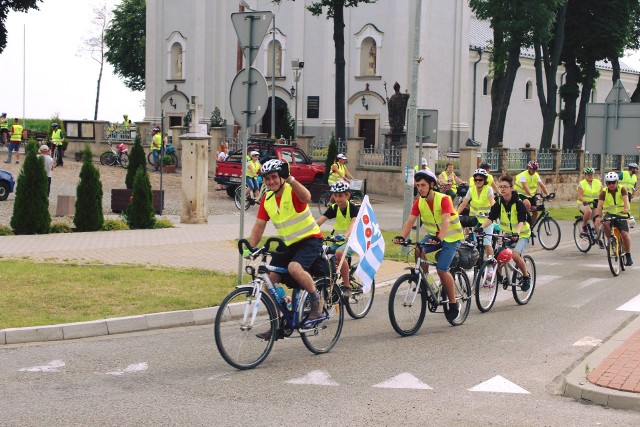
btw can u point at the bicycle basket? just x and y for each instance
(355, 184)
(170, 149)
(467, 255)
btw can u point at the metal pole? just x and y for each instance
(295, 123)
(24, 73)
(273, 80)
(162, 148)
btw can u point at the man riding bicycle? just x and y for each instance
(510, 211)
(629, 178)
(480, 199)
(345, 213)
(614, 199)
(286, 205)
(443, 230)
(588, 191)
(526, 185)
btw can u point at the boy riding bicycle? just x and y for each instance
(614, 199)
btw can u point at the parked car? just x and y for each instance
(7, 184)
(229, 171)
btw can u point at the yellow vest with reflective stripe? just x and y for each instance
(510, 222)
(628, 181)
(16, 136)
(479, 203)
(334, 177)
(489, 181)
(56, 137)
(291, 225)
(532, 182)
(432, 219)
(444, 177)
(342, 221)
(612, 205)
(156, 142)
(256, 166)
(4, 123)
(590, 191)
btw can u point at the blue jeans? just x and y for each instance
(252, 183)
(155, 154)
(447, 253)
(521, 245)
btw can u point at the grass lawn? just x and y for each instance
(35, 294)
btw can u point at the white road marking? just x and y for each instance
(53, 366)
(540, 280)
(588, 342)
(136, 367)
(595, 265)
(632, 305)
(315, 378)
(404, 380)
(499, 384)
(589, 282)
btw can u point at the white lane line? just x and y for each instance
(587, 342)
(540, 280)
(315, 378)
(404, 380)
(499, 384)
(595, 265)
(53, 366)
(632, 305)
(589, 282)
(136, 367)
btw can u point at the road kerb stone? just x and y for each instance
(203, 316)
(3, 337)
(35, 333)
(170, 319)
(84, 329)
(121, 325)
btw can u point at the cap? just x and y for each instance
(43, 148)
(254, 153)
(341, 156)
(424, 161)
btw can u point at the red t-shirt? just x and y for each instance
(446, 204)
(297, 205)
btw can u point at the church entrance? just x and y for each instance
(281, 109)
(367, 130)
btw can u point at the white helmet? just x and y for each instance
(254, 153)
(423, 162)
(611, 176)
(341, 156)
(339, 187)
(482, 172)
(273, 165)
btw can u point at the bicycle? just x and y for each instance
(359, 303)
(113, 157)
(547, 228)
(249, 200)
(355, 191)
(169, 150)
(414, 291)
(489, 276)
(56, 153)
(615, 245)
(585, 242)
(249, 313)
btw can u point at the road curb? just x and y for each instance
(577, 386)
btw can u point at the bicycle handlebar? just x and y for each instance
(255, 252)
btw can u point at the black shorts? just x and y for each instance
(524, 197)
(304, 252)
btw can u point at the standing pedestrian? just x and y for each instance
(156, 146)
(4, 129)
(48, 164)
(57, 138)
(15, 141)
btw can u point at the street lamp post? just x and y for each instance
(297, 66)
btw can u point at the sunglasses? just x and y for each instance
(612, 182)
(478, 179)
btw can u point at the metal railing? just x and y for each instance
(612, 162)
(546, 160)
(592, 161)
(630, 158)
(569, 161)
(390, 157)
(516, 160)
(320, 148)
(491, 157)
(116, 132)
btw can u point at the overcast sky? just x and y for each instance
(59, 80)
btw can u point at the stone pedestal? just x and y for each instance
(395, 140)
(66, 206)
(195, 178)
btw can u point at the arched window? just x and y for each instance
(176, 56)
(368, 57)
(486, 85)
(528, 91)
(278, 59)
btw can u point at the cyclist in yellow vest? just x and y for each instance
(480, 199)
(57, 138)
(490, 181)
(286, 205)
(629, 178)
(448, 181)
(156, 146)
(15, 141)
(339, 171)
(588, 191)
(526, 185)
(444, 230)
(614, 199)
(126, 122)
(4, 129)
(345, 213)
(510, 211)
(253, 169)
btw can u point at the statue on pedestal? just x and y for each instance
(397, 105)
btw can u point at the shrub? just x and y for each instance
(31, 206)
(331, 157)
(114, 225)
(167, 160)
(163, 222)
(137, 159)
(140, 213)
(285, 126)
(216, 120)
(5, 231)
(89, 216)
(60, 227)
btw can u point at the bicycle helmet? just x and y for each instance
(481, 172)
(54, 124)
(485, 165)
(504, 255)
(273, 165)
(423, 162)
(156, 129)
(426, 175)
(589, 170)
(632, 165)
(339, 187)
(611, 176)
(533, 165)
(341, 156)
(254, 153)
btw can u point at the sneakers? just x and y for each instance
(526, 283)
(346, 292)
(316, 310)
(585, 232)
(452, 311)
(600, 244)
(628, 260)
(264, 335)
(488, 278)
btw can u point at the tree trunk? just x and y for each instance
(570, 96)
(615, 66)
(95, 113)
(585, 96)
(338, 40)
(501, 89)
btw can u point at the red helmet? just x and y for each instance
(533, 165)
(504, 255)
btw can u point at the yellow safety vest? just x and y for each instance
(510, 222)
(56, 137)
(444, 177)
(419, 168)
(432, 219)
(611, 204)
(342, 221)
(16, 135)
(334, 177)
(156, 142)
(628, 181)
(291, 225)
(4, 123)
(590, 191)
(256, 166)
(127, 123)
(479, 203)
(532, 182)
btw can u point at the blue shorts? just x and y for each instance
(14, 146)
(252, 183)
(304, 252)
(488, 240)
(521, 245)
(338, 246)
(447, 253)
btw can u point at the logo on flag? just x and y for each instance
(366, 239)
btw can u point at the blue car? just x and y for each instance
(7, 183)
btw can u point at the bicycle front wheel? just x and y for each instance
(486, 285)
(323, 201)
(322, 336)
(124, 160)
(583, 243)
(407, 305)
(244, 341)
(463, 295)
(523, 297)
(613, 255)
(238, 199)
(107, 158)
(549, 233)
(359, 304)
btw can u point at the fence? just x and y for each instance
(385, 157)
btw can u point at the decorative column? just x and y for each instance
(468, 161)
(195, 178)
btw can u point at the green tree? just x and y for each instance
(140, 213)
(335, 11)
(31, 206)
(16, 6)
(89, 216)
(216, 120)
(137, 159)
(125, 40)
(332, 152)
(285, 126)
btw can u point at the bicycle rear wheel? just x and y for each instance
(238, 199)
(523, 297)
(486, 285)
(236, 333)
(174, 158)
(549, 233)
(359, 304)
(323, 201)
(583, 243)
(613, 255)
(407, 305)
(322, 336)
(463, 292)
(108, 158)
(356, 198)
(124, 160)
